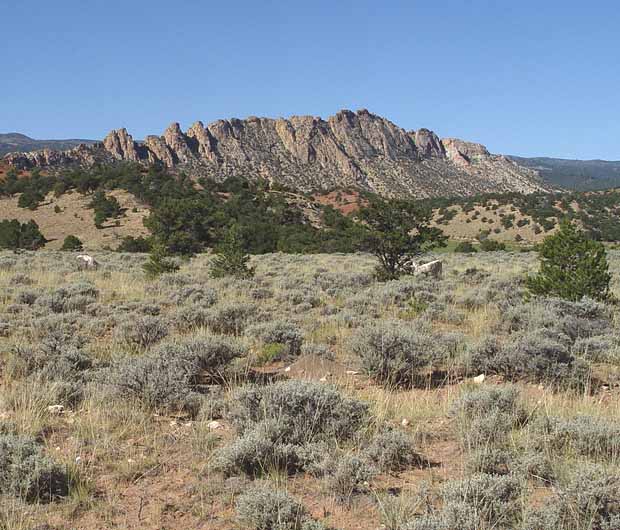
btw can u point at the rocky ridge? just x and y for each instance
(351, 149)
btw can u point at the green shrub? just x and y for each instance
(72, 242)
(491, 245)
(571, 266)
(473, 503)
(285, 335)
(134, 244)
(395, 232)
(537, 356)
(104, 207)
(30, 199)
(487, 415)
(465, 247)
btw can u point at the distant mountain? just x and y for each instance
(351, 149)
(580, 175)
(15, 142)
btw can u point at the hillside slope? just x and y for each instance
(580, 175)
(351, 149)
(16, 142)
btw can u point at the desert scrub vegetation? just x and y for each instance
(314, 384)
(26, 473)
(279, 424)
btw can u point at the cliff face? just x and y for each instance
(357, 149)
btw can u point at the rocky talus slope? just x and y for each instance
(356, 149)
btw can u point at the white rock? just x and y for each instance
(214, 425)
(323, 379)
(352, 372)
(405, 422)
(287, 369)
(56, 409)
(479, 379)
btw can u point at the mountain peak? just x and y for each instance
(350, 149)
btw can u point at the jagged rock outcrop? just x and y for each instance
(357, 149)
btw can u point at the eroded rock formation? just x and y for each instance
(357, 149)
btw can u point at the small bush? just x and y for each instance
(159, 263)
(491, 245)
(393, 450)
(142, 332)
(393, 353)
(589, 500)
(26, 473)
(171, 376)
(262, 508)
(134, 244)
(479, 501)
(537, 357)
(487, 415)
(465, 247)
(230, 317)
(53, 362)
(584, 435)
(72, 242)
(351, 476)
(279, 333)
(279, 424)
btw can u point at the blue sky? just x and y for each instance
(527, 78)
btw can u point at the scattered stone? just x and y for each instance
(56, 410)
(479, 379)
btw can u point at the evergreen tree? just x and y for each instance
(16, 235)
(571, 266)
(231, 259)
(159, 262)
(395, 233)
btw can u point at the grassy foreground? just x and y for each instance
(308, 397)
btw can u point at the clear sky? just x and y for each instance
(526, 77)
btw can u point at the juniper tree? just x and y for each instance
(571, 266)
(395, 232)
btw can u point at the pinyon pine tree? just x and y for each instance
(230, 258)
(571, 266)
